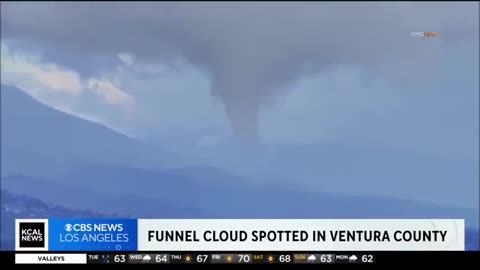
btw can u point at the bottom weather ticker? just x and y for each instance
(195, 258)
(247, 257)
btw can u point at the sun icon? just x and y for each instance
(229, 259)
(271, 259)
(188, 259)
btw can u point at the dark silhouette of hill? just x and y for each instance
(108, 201)
(43, 141)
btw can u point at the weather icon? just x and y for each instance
(271, 259)
(146, 258)
(352, 258)
(188, 258)
(311, 258)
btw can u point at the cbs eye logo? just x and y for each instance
(68, 227)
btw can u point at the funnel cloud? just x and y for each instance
(250, 51)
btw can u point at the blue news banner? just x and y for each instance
(92, 235)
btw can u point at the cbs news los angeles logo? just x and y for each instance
(31, 234)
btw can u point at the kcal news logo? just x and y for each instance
(68, 234)
(31, 234)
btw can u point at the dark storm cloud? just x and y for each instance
(250, 50)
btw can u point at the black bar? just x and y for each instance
(386, 258)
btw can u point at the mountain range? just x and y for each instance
(64, 160)
(44, 141)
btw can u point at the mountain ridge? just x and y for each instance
(67, 140)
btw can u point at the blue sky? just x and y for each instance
(319, 73)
